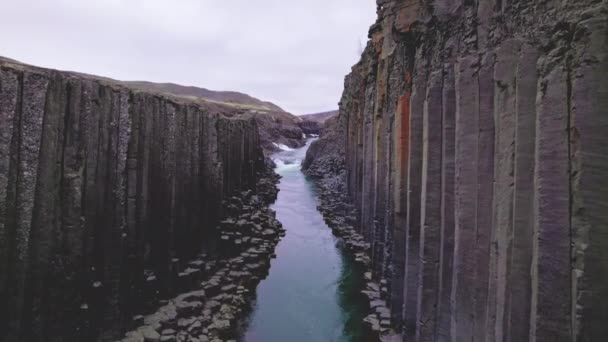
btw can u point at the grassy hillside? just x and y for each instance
(230, 98)
(320, 117)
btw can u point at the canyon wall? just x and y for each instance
(105, 194)
(476, 147)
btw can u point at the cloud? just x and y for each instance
(293, 53)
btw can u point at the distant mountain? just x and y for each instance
(230, 98)
(319, 117)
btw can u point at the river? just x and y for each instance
(311, 292)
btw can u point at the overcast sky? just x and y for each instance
(293, 53)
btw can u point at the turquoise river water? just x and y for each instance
(311, 292)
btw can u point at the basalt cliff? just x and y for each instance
(472, 144)
(110, 199)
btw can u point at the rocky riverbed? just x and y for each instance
(218, 286)
(324, 163)
(341, 217)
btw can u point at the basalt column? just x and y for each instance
(495, 224)
(104, 191)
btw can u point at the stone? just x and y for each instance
(149, 334)
(184, 323)
(371, 294)
(372, 322)
(228, 288)
(383, 312)
(195, 327)
(221, 324)
(134, 336)
(377, 303)
(373, 287)
(184, 308)
(192, 296)
(138, 320)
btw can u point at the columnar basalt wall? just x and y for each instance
(102, 191)
(476, 139)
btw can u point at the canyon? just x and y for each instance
(460, 193)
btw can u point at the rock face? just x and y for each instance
(325, 157)
(475, 143)
(310, 127)
(319, 117)
(278, 128)
(316, 123)
(103, 190)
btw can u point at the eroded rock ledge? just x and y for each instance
(474, 136)
(105, 194)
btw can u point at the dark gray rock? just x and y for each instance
(468, 141)
(101, 184)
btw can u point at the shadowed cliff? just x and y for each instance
(103, 190)
(475, 154)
